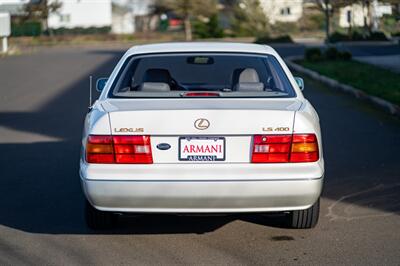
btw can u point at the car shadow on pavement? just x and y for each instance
(198, 224)
(40, 190)
(41, 193)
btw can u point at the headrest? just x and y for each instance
(250, 86)
(154, 87)
(249, 81)
(157, 75)
(249, 75)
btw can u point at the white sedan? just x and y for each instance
(201, 128)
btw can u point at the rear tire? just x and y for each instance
(304, 219)
(96, 219)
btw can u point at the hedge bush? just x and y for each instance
(378, 36)
(330, 54)
(345, 55)
(265, 39)
(357, 36)
(81, 30)
(313, 54)
(28, 28)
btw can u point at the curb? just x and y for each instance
(392, 41)
(378, 102)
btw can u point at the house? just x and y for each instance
(123, 16)
(81, 13)
(72, 13)
(353, 15)
(128, 15)
(14, 7)
(123, 21)
(282, 10)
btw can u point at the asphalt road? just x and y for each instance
(43, 100)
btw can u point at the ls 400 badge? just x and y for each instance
(276, 129)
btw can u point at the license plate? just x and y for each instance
(202, 149)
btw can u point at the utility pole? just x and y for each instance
(5, 45)
(325, 6)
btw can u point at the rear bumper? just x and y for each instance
(201, 195)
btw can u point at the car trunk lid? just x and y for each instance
(176, 122)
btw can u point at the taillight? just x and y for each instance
(271, 149)
(99, 149)
(304, 148)
(132, 149)
(119, 149)
(285, 148)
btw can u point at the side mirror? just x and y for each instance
(300, 83)
(101, 83)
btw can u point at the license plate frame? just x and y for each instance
(203, 157)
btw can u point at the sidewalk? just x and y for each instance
(391, 62)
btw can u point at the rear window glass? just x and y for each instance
(201, 75)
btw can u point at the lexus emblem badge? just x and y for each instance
(201, 124)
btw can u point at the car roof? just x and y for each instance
(172, 47)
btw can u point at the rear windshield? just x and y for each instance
(201, 75)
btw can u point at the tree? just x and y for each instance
(328, 7)
(208, 28)
(187, 9)
(249, 19)
(41, 9)
(325, 6)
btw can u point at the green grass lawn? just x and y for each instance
(371, 79)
